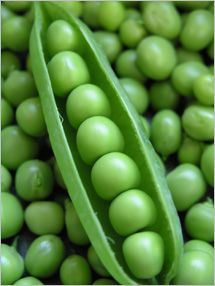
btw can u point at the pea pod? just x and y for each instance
(93, 211)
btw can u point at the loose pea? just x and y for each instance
(184, 55)
(156, 57)
(67, 37)
(19, 86)
(198, 122)
(29, 116)
(29, 280)
(166, 132)
(199, 20)
(67, 70)
(97, 136)
(16, 147)
(58, 176)
(73, 7)
(44, 256)
(6, 179)
(137, 203)
(144, 254)
(96, 263)
(185, 74)
(207, 164)
(199, 245)
(51, 211)
(12, 265)
(132, 14)
(203, 89)
(199, 221)
(137, 94)
(114, 173)
(187, 185)
(74, 228)
(104, 281)
(6, 113)
(12, 215)
(86, 101)
(19, 6)
(90, 13)
(9, 63)
(146, 126)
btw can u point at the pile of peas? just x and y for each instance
(166, 69)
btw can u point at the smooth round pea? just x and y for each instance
(12, 265)
(86, 101)
(67, 38)
(96, 263)
(18, 6)
(16, 147)
(75, 231)
(156, 57)
(199, 221)
(97, 136)
(29, 280)
(110, 44)
(184, 55)
(15, 33)
(73, 7)
(162, 18)
(166, 132)
(198, 20)
(34, 180)
(51, 211)
(146, 126)
(29, 116)
(207, 164)
(113, 174)
(19, 86)
(67, 70)
(137, 203)
(6, 179)
(12, 215)
(198, 122)
(111, 15)
(90, 13)
(185, 74)
(187, 185)
(75, 271)
(144, 254)
(162, 95)
(137, 94)
(9, 63)
(7, 114)
(203, 89)
(104, 281)
(44, 256)
(199, 245)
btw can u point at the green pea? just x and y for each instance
(146, 126)
(19, 86)
(132, 14)
(75, 271)
(16, 147)
(117, 12)
(187, 185)
(97, 136)
(6, 179)
(156, 57)
(104, 281)
(34, 180)
(9, 63)
(114, 173)
(166, 132)
(73, 7)
(203, 89)
(12, 265)
(96, 263)
(199, 20)
(67, 37)
(144, 254)
(190, 151)
(187, 56)
(30, 280)
(83, 97)
(29, 116)
(90, 13)
(6, 13)
(162, 95)
(58, 176)
(44, 256)
(15, 33)
(199, 245)
(67, 70)
(12, 215)
(126, 65)
(137, 94)
(199, 221)
(185, 74)
(137, 203)
(51, 211)
(162, 19)
(19, 6)
(109, 43)
(74, 228)
(198, 122)
(7, 114)
(207, 164)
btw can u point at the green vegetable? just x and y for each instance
(188, 56)
(9, 63)
(207, 164)
(20, 6)
(95, 262)
(203, 89)
(104, 281)
(6, 179)
(7, 114)
(199, 245)
(90, 13)
(29, 280)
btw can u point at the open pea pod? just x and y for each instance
(92, 210)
